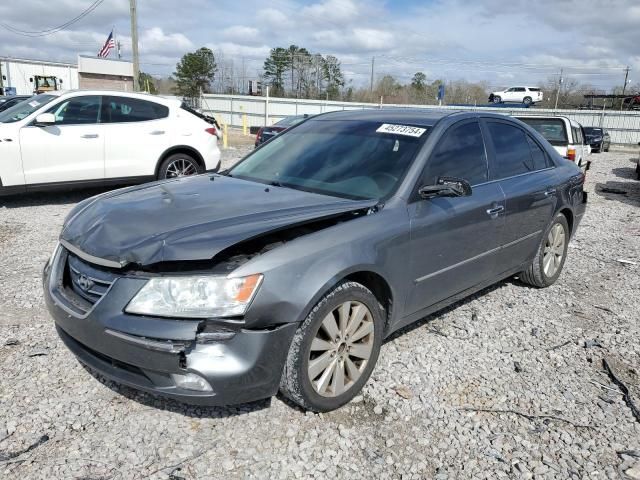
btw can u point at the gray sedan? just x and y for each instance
(286, 272)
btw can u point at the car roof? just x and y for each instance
(414, 116)
(142, 96)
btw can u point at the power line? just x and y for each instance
(51, 31)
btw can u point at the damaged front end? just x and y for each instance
(212, 360)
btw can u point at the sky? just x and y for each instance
(501, 42)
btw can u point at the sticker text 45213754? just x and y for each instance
(407, 130)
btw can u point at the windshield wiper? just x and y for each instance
(276, 183)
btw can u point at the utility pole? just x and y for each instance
(1, 80)
(373, 60)
(558, 91)
(119, 50)
(624, 86)
(134, 44)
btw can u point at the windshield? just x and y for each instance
(552, 129)
(342, 158)
(24, 109)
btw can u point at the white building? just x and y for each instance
(24, 77)
(21, 74)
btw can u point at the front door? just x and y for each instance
(455, 240)
(70, 150)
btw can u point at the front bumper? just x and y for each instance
(143, 352)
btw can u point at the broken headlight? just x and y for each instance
(195, 297)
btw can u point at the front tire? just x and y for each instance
(335, 349)
(497, 99)
(551, 255)
(179, 165)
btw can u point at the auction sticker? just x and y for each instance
(407, 130)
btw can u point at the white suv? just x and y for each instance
(526, 95)
(102, 138)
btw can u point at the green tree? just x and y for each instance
(419, 82)
(146, 83)
(195, 72)
(332, 73)
(275, 66)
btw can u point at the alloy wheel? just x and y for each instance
(341, 349)
(181, 168)
(553, 250)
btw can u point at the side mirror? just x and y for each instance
(446, 187)
(45, 120)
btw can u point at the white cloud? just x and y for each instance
(273, 18)
(155, 40)
(240, 33)
(342, 11)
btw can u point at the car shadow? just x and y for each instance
(624, 192)
(173, 406)
(37, 199)
(625, 172)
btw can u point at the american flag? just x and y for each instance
(108, 45)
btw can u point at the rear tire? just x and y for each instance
(326, 365)
(527, 100)
(179, 165)
(550, 256)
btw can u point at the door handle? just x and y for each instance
(157, 132)
(89, 135)
(495, 211)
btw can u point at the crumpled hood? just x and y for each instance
(190, 218)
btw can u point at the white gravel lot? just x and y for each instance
(533, 358)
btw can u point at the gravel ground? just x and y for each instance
(508, 384)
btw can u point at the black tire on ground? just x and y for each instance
(527, 100)
(534, 275)
(497, 99)
(295, 383)
(179, 162)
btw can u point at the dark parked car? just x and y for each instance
(287, 271)
(267, 133)
(6, 102)
(598, 138)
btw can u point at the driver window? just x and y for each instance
(77, 111)
(460, 153)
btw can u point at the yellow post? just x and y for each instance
(225, 138)
(244, 121)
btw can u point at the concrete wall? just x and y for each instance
(624, 127)
(92, 81)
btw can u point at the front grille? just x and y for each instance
(79, 283)
(86, 280)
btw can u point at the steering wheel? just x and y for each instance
(384, 180)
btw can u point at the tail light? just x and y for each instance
(259, 134)
(212, 131)
(571, 154)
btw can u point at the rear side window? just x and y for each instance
(123, 109)
(577, 136)
(513, 153)
(540, 158)
(534, 89)
(552, 129)
(460, 153)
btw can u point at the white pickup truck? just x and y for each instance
(526, 95)
(565, 135)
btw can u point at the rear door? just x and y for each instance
(526, 175)
(454, 241)
(70, 150)
(137, 133)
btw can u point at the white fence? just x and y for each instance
(624, 127)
